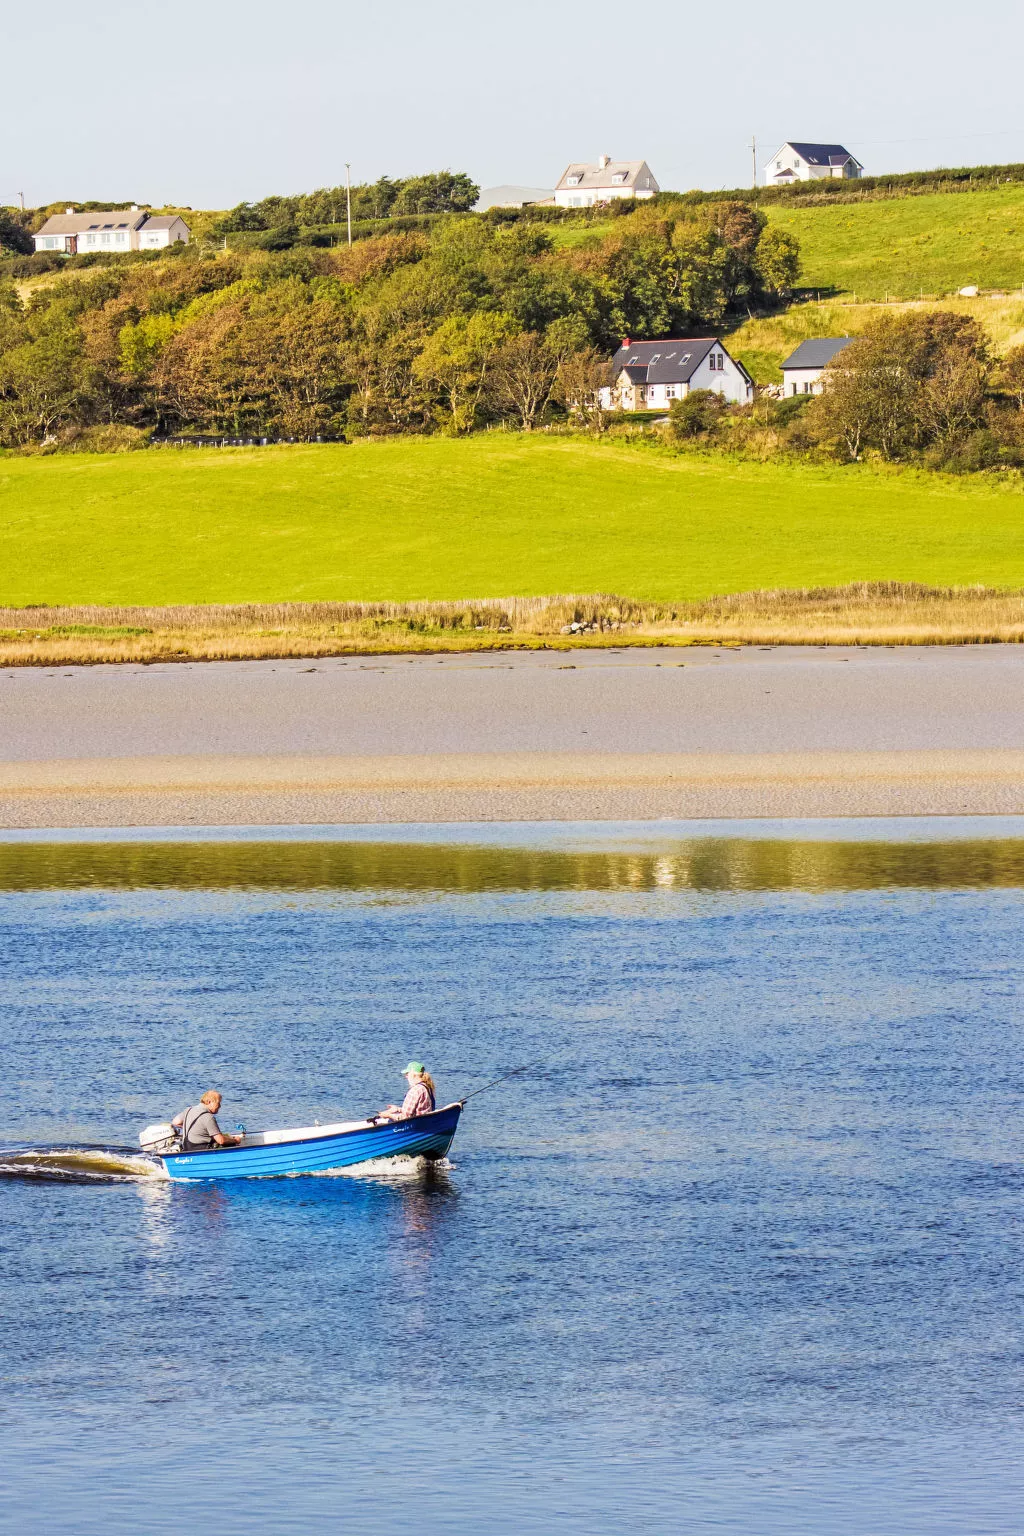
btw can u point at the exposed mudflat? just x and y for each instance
(630, 735)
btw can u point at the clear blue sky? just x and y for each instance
(207, 102)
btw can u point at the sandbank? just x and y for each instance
(790, 732)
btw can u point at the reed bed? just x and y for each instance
(869, 613)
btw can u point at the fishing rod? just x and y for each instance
(516, 1072)
(497, 1080)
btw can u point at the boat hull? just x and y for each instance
(427, 1136)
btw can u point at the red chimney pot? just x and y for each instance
(625, 341)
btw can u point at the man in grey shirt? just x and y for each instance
(198, 1125)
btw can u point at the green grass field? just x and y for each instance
(905, 246)
(495, 515)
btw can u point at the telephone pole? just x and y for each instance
(348, 199)
(753, 158)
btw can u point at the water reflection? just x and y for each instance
(705, 864)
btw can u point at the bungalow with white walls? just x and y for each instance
(649, 375)
(583, 185)
(112, 229)
(803, 369)
(811, 162)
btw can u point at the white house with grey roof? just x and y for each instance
(811, 162)
(649, 375)
(803, 369)
(111, 229)
(583, 185)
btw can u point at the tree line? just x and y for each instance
(387, 197)
(470, 324)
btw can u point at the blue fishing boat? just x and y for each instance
(314, 1149)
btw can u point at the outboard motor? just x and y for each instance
(159, 1138)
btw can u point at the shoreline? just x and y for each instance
(220, 790)
(881, 614)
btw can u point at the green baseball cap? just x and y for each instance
(414, 1066)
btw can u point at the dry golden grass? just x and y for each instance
(763, 343)
(879, 613)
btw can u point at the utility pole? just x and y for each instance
(348, 199)
(753, 158)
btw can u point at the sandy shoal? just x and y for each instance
(236, 790)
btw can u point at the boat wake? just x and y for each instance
(78, 1165)
(391, 1170)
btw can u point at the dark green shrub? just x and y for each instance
(695, 415)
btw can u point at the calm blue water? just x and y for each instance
(743, 1254)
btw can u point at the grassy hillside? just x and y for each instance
(493, 515)
(762, 344)
(904, 246)
(933, 243)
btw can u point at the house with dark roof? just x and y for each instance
(811, 162)
(803, 369)
(649, 375)
(110, 229)
(582, 184)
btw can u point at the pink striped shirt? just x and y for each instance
(416, 1101)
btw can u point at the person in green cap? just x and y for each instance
(420, 1100)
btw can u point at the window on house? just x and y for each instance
(778, 165)
(670, 391)
(793, 389)
(721, 361)
(104, 239)
(572, 181)
(797, 160)
(656, 358)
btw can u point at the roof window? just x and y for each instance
(618, 176)
(573, 180)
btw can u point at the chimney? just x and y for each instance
(68, 211)
(134, 208)
(604, 161)
(625, 341)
